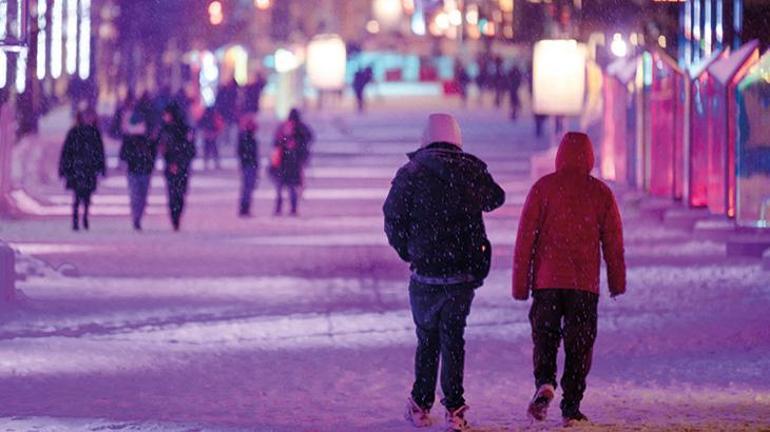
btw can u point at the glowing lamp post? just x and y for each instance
(559, 77)
(326, 61)
(289, 91)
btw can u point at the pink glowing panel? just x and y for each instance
(700, 92)
(666, 124)
(753, 147)
(726, 73)
(618, 100)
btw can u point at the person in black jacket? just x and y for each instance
(248, 153)
(178, 152)
(82, 159)
(433, 219)
(139, 153)
(286, 165)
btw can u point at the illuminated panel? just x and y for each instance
(57, 36)
(42, 8)
(721, 175)
(326, 61)
(72, 37)
(753, 147)
(559, 77)
(84, 67)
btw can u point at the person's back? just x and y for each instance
(433, 219)
(567, 215)
(567, 218)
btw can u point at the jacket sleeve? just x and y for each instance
(526, 243)
(65, 160)
(493, 194)
(612, 248)
(397, 209)
(101, 160)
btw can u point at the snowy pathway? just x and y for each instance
(279, 324)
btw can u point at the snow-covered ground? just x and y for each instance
(281, 324)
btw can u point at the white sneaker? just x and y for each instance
(415, 414)
(455, 420)
(538, 406)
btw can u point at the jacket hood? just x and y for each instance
(575, 153)
(442, 128)
(445, 159)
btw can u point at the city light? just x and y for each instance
(57, 36)
(72, 37)
(21, 71)
(3, 69)
(388, 12)
(84, 69)
(215, 12)
(285, 61)
(558, 77)
(262, 4)
(373, 27)
(42, 8)
(326, 62)
(618, 46)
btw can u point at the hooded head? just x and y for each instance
(575, 153)
(442, 128)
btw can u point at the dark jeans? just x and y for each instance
(84, 198)
(138, 187)
(177, 188)
(249, 181)
(440, 313)
(570, 315)
(293, 197)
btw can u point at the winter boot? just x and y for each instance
(574, 418)
(455, 420)
(538, 406)
(415, 414)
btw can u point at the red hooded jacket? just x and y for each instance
(567, 216)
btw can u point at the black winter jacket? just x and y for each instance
(433, 213)
(82, 158)
(139, 153)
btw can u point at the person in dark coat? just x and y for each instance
(361, 79)
(82, 160)
(514, 82)
(248, 154)
(290, 153)
(433, 219)
(178, 152)
(253, 94)
(226, 104)
(138, 151)
(210, 126)
(568, 218)
(462, 80)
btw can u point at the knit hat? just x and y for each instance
(442, 128)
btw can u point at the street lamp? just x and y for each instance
(215, 13)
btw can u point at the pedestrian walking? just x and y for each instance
(82, 160)
(226, 104)
(499, 81)
(568, 217)
(462, 79)
(514, 82)
(178, 152)
(138, 151)
(361, 79)
(248, 154)
(210, 126)
(252, 94)
(287, 162)
(433, 219)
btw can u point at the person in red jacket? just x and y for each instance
(567, 217)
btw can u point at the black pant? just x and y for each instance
(569, 314)
(293, 196)
(439, 313)
(80, 197)
(177, 188)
